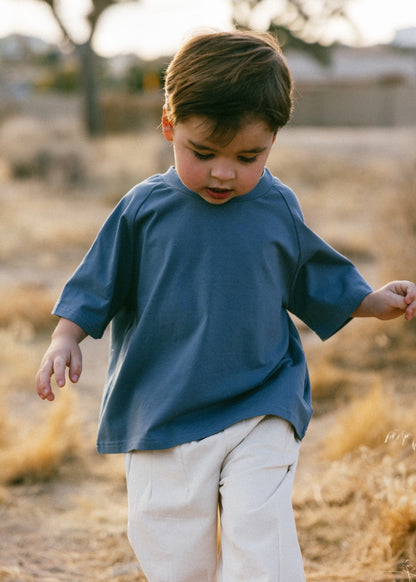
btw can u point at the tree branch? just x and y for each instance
(98, 7)
(298, 23)
(64, 30)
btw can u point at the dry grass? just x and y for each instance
(397, 216)
(19, 359)
(357, 516)
(58, 155)
(28, 306)
(128, 112)
(366, 421)
(356, 519)
(361, 518)
(332, 382)
(37, 450)
(40, 230)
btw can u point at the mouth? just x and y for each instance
(218, 193)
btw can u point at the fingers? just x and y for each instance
(410, 293)
(59, 367)
(407, 290)
(410, 300)
(391, 301)
(55, 365)
(43, 380)
(75, 366)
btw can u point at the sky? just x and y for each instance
(151, 28)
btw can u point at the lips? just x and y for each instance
(218, 193)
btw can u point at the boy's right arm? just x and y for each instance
(63, 352)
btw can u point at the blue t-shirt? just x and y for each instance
(198, 296)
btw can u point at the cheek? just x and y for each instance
(251, 175)
(190, 172)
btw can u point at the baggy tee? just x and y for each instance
(198, 297)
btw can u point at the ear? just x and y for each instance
(167, 126)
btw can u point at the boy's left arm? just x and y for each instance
(393, 300)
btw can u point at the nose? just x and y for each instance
(223, 171)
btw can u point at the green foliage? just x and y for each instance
(134, 78)
(66, 80)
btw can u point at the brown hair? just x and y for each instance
(229, 78)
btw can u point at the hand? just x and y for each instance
(391, 301)
(63, 352)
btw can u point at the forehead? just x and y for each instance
(202, 130)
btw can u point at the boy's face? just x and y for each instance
(215, 171)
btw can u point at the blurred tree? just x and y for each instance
(299, 24)
(88, 58)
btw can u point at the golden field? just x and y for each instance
(62, 506)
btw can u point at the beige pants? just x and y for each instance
(245, 471)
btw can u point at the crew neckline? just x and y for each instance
(262, 186)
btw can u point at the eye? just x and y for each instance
(202, 157)
(247, 159)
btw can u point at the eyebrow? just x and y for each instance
(200, 146)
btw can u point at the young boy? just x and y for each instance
(207, 391)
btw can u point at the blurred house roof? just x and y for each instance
(17, 47)
(406, 38)
(384, 63)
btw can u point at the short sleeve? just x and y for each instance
(327, 287)
(102, 283)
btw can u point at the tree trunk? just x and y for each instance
(92, 109)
